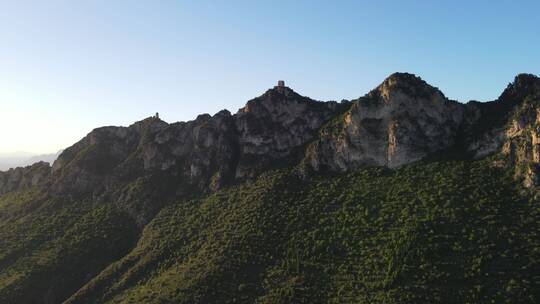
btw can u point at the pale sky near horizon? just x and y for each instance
(67, 66)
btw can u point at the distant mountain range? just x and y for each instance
(399, 196)
(23, 159)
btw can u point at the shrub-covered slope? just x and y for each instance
(50, 248)
(450, 232)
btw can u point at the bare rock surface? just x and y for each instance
(401, 121)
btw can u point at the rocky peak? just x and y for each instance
(523, 86)
(403, 84)
(521, 143)
(150, 124)
(401, 121)
(491, 123)
(273, 100)
(275, 124)
(400, 79)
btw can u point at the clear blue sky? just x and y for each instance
(69, 66)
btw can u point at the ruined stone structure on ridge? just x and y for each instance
(280, 86)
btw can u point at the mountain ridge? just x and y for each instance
(410, 113)
(399, 196)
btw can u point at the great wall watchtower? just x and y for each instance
(280, 86)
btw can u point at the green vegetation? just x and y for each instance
(49, 248)
(439, 232)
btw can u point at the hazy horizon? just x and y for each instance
(69, 67)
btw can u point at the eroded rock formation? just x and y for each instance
(401, 121)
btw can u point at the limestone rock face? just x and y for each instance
(196, 151)
(401, 121)
(509, 125)
(273, 125)
(207, 153)
(203, 151)
(492, 123)
(522, 141)
(24, 178)
(87, 166)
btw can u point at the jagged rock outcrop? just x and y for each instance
(203, 151)
(485, 131)
(95, 162)
(150, 162)
(23, 178)
(401, 121)
(272, 126)
(509, 125)
(208, 152)
(198, 151)
(522, 145)
(405, 119)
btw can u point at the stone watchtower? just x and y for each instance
(280, 86)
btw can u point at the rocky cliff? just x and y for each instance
(401, 121)
(508, 125)
(274, 126)
(208, 152)
(521, 137)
